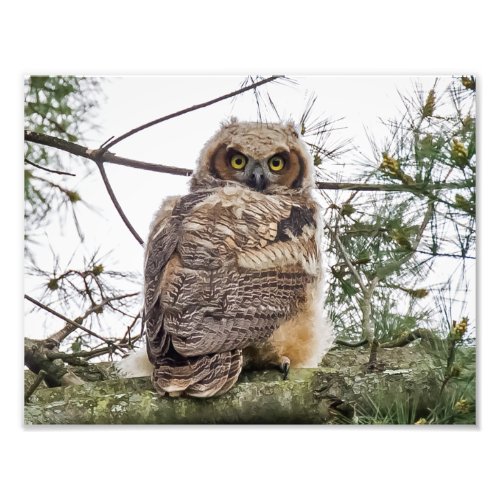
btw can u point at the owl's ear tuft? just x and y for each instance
(232, 120)
(292, 128)
(228, 123)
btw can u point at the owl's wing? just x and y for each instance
(223, 275)
(161, 245)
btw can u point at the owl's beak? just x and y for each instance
(256, 178)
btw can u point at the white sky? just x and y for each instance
(132, 101)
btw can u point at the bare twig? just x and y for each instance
(47, 169)
(70, 194)
(82, 354)
(254, 85)
(404, 339)
(70, 321)
(59, 315)
(70, 327)
(126, 337)
(117, 205)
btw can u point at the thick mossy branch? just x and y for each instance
(55, 374)
(335, 392)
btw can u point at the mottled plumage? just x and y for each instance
(233, 269)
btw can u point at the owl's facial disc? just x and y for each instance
(281, 168)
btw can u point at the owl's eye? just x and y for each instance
(238, 161)
(276, 163)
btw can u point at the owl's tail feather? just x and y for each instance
(200, 376)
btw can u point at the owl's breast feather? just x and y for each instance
(258, 231)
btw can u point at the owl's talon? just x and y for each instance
(285, 367)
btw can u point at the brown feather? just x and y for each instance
(229, 268)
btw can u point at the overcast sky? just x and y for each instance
(360, 102)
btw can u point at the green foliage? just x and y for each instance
(60, 106)
(384, 246)
(451, 402)
(389, 323)
(76, 346)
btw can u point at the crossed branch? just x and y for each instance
(101, 156)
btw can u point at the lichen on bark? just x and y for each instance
(335, 392)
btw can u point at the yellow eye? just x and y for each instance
(276, 163)
(238, 161)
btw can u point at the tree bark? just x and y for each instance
(336, 392)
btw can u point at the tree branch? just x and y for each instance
(334, 393)
(107, 157)
(451, 255)
(41, 355)
(55, 374)
(417, 188)
(112, 143)
(346, 257)
(408, 337)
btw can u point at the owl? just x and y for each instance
(233, 271)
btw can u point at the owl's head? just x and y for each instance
(266, 157)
